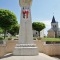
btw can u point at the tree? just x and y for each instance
(38, 26)
(14, 30)
(1, 31)
(7, 19)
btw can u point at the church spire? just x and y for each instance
(53, 20)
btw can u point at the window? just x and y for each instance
(36, 32)
(55, 25)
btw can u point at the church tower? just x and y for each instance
(54, 25)
(54, 31)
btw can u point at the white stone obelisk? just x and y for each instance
(25, 45)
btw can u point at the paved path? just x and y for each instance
(41, 56)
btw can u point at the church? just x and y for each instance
(54, 31)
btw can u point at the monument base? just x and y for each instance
(25, 50)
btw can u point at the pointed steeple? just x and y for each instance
(53, 20)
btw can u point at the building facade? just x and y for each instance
(36, 33)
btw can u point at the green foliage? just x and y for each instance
(34, 38)
(1, 38)
(14, 30)
(1, 30)
(10, 38)
(51, 39)
(7, 19)
(39, 38)
(38, 26)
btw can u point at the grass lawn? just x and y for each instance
(51, 39)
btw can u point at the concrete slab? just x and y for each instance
(41, 56)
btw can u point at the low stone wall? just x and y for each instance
(10, 44)
(2, 50)
(52, 49)
(49, 49)
(40, 45)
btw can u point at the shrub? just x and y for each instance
(16, 39)
(1, 38)
(39, 38)
(34, 38)
(10, 38)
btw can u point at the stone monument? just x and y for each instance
(25, 45)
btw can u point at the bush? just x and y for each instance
(1, 38)
(16, 39)
(39, 38)
(59, 36)
(34, 38)
(9, 38)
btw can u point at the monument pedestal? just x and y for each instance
(25, 50)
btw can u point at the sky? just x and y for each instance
(41, 10)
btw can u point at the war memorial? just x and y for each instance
(25, 45)
(25, 48)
